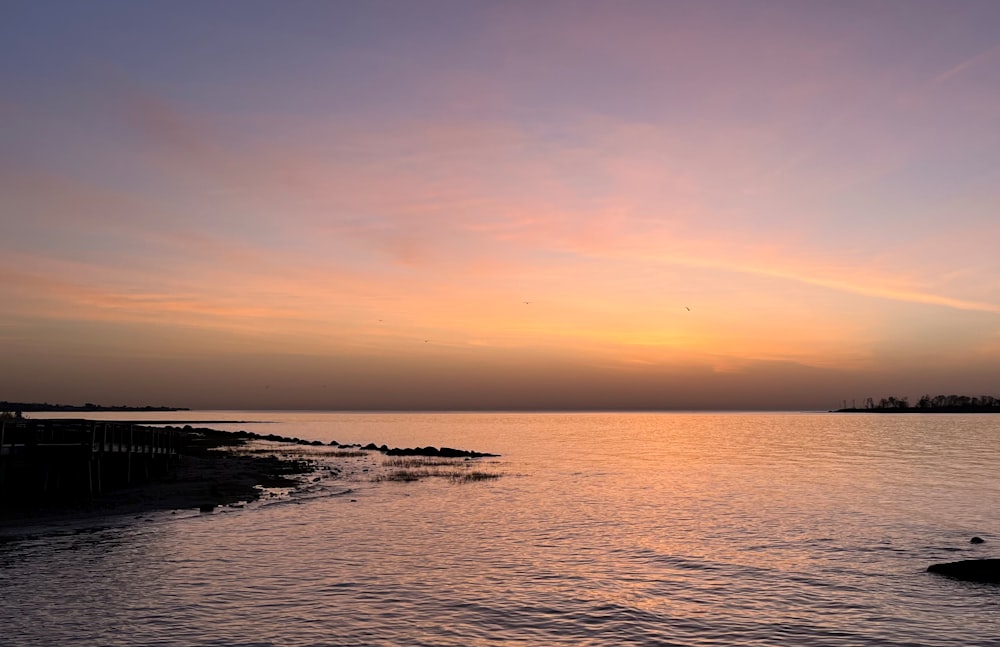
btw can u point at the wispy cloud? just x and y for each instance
(981, 58)
(566, 185)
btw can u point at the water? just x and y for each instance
(606, 529)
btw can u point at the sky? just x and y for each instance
(499, 205)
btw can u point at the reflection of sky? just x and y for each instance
(816, 181)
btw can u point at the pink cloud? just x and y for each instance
(440, 228)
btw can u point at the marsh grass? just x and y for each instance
(414, 468)
(406, 462)
(478, 476)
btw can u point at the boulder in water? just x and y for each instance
(970, 570)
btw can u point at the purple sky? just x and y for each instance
(497, 205)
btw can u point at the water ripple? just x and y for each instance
(689, 530)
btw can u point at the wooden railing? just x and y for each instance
(46, 458)
(19, 436)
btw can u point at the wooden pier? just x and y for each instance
(51, 459)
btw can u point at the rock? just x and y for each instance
(444, 452)
(977, 540)
(970, 570)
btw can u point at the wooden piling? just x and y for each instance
(54, 458)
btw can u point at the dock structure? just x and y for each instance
(55, 458)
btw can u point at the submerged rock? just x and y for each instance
(970, 570)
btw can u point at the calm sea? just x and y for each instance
(605, 529)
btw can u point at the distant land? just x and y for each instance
(90, 406)
(929, 404)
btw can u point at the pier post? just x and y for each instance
(3, 463)
(128, 470)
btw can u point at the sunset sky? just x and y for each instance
(505, 205)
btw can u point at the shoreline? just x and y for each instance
(212, 470)
(219, 469)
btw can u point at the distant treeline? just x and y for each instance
(931, 404)
(15, 407)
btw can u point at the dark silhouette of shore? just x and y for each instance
(207, 471)
(210, 469)
(928, 404)
(38, 407)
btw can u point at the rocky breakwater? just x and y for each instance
(443, 452)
